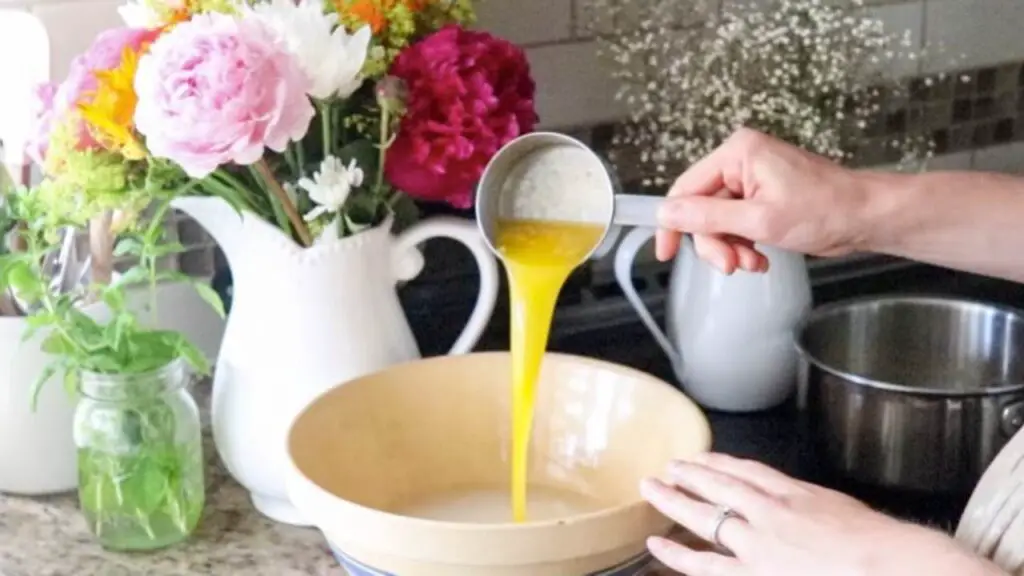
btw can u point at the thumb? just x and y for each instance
(741, 217)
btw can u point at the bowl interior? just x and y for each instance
(922, 343)
(423, 430)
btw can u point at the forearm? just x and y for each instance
(963, 220)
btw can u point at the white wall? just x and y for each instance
(574, 89)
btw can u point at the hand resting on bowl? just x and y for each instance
(778, 526)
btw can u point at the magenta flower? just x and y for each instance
(218, 89)
(469, 93)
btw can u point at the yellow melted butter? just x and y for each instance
(539, 256)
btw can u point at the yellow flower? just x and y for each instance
(110, 111)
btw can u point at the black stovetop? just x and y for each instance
(775, 437)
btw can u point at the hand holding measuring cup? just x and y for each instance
(752, 189)
(756, 189)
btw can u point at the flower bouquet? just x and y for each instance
(295, 132)
(305, 114)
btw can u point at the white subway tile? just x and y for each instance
(526, 21)
(981, 31)
(573, 86)
(684, 14)
(73, 26)
(1008, 158)
(846, 3)
(898, 19)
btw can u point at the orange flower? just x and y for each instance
(375, 13)
(110, 111)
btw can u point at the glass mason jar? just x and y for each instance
(140, 458)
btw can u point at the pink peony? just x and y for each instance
(217, 89)
(469, 93)
(57, 103)
(42, 125)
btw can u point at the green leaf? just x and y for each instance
(37, 386)
(364, 152)
(355, 227)
(210, 296)
(36, 321)
(193, 356)
(6, 262)
(113, 298)
(55, 343)
(129, 246)
(21, 278)
(165, 249)
(72, 378)
(135, 275)
(146, 486)
(405, 210)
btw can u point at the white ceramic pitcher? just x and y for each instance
(304, 320)
(729, 338)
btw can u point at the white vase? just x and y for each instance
(304, 320)
(37, 452)
(729, 338)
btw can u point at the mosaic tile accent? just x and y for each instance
(966, 110)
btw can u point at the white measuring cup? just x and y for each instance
(554, 177)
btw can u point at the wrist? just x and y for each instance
(882, 211)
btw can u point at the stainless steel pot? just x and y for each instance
(915, 393)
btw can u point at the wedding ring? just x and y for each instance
(724, 513)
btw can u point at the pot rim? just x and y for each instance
(833, 308)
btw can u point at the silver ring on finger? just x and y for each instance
(724, 514)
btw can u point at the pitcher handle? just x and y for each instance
(625, 255)
(468, 235)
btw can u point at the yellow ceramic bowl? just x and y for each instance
(437, 426)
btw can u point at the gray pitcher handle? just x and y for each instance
(625, 255)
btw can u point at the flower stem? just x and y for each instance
(275, 188)
(289, 157)
(101, 248)
(300, 158)
(382, 148)
(325, 127)
(276, 209)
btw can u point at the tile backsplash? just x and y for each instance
(977, 124)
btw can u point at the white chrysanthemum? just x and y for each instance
(331, 57)
(331, 186)
(141, 14)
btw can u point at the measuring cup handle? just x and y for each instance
(625, 255)
(636, 210)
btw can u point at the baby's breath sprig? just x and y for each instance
(807, 71)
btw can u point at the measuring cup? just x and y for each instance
(554, 177)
